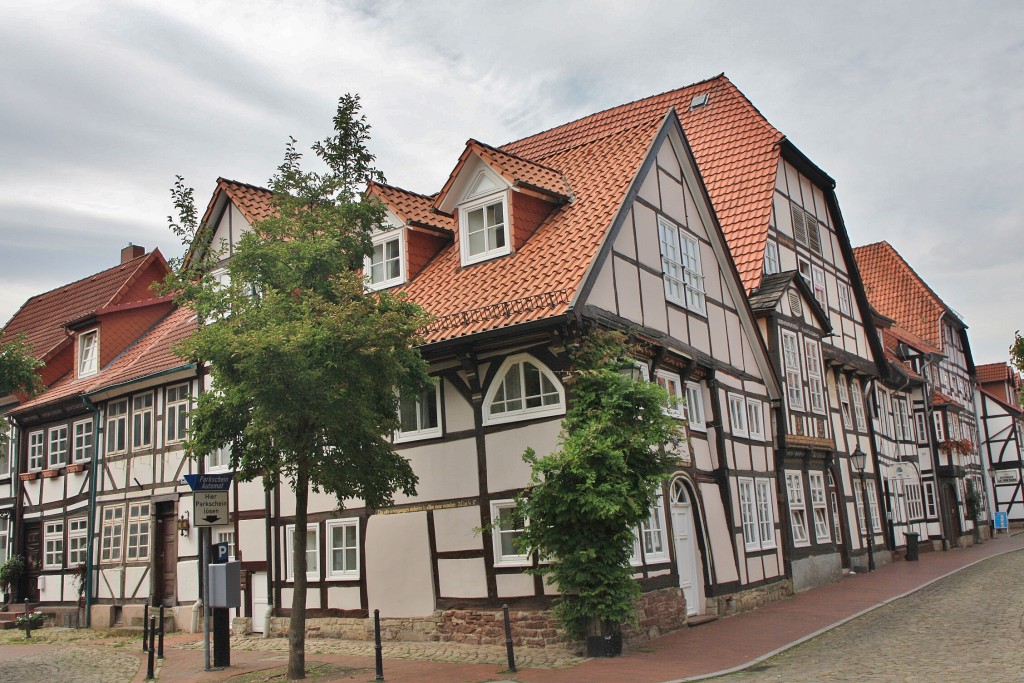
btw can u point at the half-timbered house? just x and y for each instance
(1001, 421)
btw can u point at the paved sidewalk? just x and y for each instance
(715, 648)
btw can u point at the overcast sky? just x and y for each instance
(915, 108)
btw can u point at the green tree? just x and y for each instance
(1017, 355)
(306, 365)
(587, 498)
(19, 372)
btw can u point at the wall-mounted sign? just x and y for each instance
(1007, 476)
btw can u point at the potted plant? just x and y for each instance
(36, 619)
(11, 572)
(973, 504)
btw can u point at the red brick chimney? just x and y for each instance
(132, 252)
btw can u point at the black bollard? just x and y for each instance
(376, 646)
(28, 622)
(160, 648)
(508, 641)
(145, 626)
(152, 651)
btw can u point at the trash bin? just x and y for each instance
(912, 540)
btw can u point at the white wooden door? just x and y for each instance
(258, 584)
(685, 540)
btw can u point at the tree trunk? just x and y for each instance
(297, 624)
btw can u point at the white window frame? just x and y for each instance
(652, 533)
(382, 240)
(57, 446)
(931, 505)
(219, 460)
(53, 545)
(915, 502)
(818, 285)
(112, 534)
(515, 363)
(919, 423)
(797, 509)
(88, 352)
(738, 415)
(844, 401)
(771, 258)
(694, 407)
(138, 531)
(858, 496)
(858, 405)
(345, 572)
(670, 383)
(5, 531)
(940, 430)
(482, 204)
(117, 426)
(815, 378)
(755, 419)
(845, 299)
(791, 364)
(681, 267)
(749, 519)
(819, 507)
(229, 538)
(312, 568)
(36, 451)
(501, 558)
(765, 517)
(142, 420)
(421, 432)
(83, 444)
(176, 411)
(78, 541)
(876, 517)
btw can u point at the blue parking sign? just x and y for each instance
(1000, 520)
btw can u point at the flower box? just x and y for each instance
(76, 467)
(50, 474)
(28, 476)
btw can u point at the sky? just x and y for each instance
(916, 108)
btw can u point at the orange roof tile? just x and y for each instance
(912, 340)
(412, 208)
(995, 372)
(897, 291)
(253, 201)
(42, 317)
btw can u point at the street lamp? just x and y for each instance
(859, 459)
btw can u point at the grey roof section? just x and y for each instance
(766, 297)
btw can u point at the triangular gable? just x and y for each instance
(777, 292)
(251, 204)
(411, 209)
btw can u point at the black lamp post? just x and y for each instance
(860, 460)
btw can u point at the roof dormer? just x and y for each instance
(411, 235)
(386, 265)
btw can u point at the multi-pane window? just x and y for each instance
(756, 513)
(142, 420)
(791, 361)
(845, 299)
(919, 422)
(844, 401)
(681, 267)
(915, 505)
(78, 539)
(858, 494)
(312, 546)
(229, 538)
(771, 258)
(419, 415)
(5, 530)
(904, 427)
(805, 228)
(383, 267)
(83, 441)
(694, 406)
(88, 353)
(219, 458)
(343, 548)
(117, 426)
(138, 531)
(58, 451)
(53, 545)
(818, 283)
(814, 380)
(652, 534)
(506, 531)
(112, 533)
(819, 507)
(766, 520)
(755, 419)
(36, 451)
(737, 415)
(931, 506)
(836, 529)
(524, 388)
(876, 518)
(670, 383)
(177, 412)
(797, 508)
(940, 432)
(858, 404)
(748, 513)
(486, 231)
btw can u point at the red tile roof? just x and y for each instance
(42, 317)
(897, 291)
(253, 201)
(411, 208)
(912, 340)
(995, 372)
(890, 342)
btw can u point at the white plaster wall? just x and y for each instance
(398, 571)
(312, 598)
(109, 584)
(755, 572)
(668, 162)
(343, 597)
(627, 285)
(514, 585)
(252, 539)
(454, 529)
(136, 582)
(652, 288)
(445, 470)
(458, 413)
(505, 467)
(648, 248)
(603, 293)
(624, 242)
(673, 203)
(465, 578)
(719, 534)
(188, 580)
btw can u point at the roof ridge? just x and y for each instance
(401, 189)
(222, 179)
(594, 140)
(517, 156)
(917, 276)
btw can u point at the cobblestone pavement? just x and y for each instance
(967, 627)
(77, 664)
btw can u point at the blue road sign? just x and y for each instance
(210, 482)
(220, 553)
(1001, 521)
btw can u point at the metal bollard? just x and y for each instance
(160, 648)
(145, 625)
(377, 647)
(28, 622)
(508, 641)
(152, 650)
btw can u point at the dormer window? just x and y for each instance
(484, 229)
(385, 266)
(88, 353)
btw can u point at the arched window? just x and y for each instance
(523, 388)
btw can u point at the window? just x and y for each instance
(791, 361)
(805, 271)
(771, 258)
(505, 533)
(836, 529)
(177, 412)
(88, 353)
(817, 391)
(797, 508)
(681, 267)
(819, 507)
(484, 230)
(922, 433)
(523, 388)
(5, 530)
(940, 433)
(694, 406)
(756, 513)
(385, 266)
(220, 459)
(858, 491)
(845, 299)
(876, 518)
(844, 401)
(343, 548)
(755, 419)
(53, 545)
(766, 520)
(805, 229)
(138, 531)
(78, 539)
(652, 534)
(915, 506)
(737, 415)
(748, 514)
(419, 416)
(111, 533)
(929, 499)
(117, 426)
(818, 283)
(142, 420)
(904, 428)
(858, 405)
(670, 383)
(58, 451)
(83, 433)
(36, 451)
(229, 538)
(312, 551)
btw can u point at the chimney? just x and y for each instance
(131, 252)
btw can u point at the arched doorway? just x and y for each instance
(684, 539)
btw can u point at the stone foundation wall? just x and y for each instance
(657, 613)
(753, 598)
